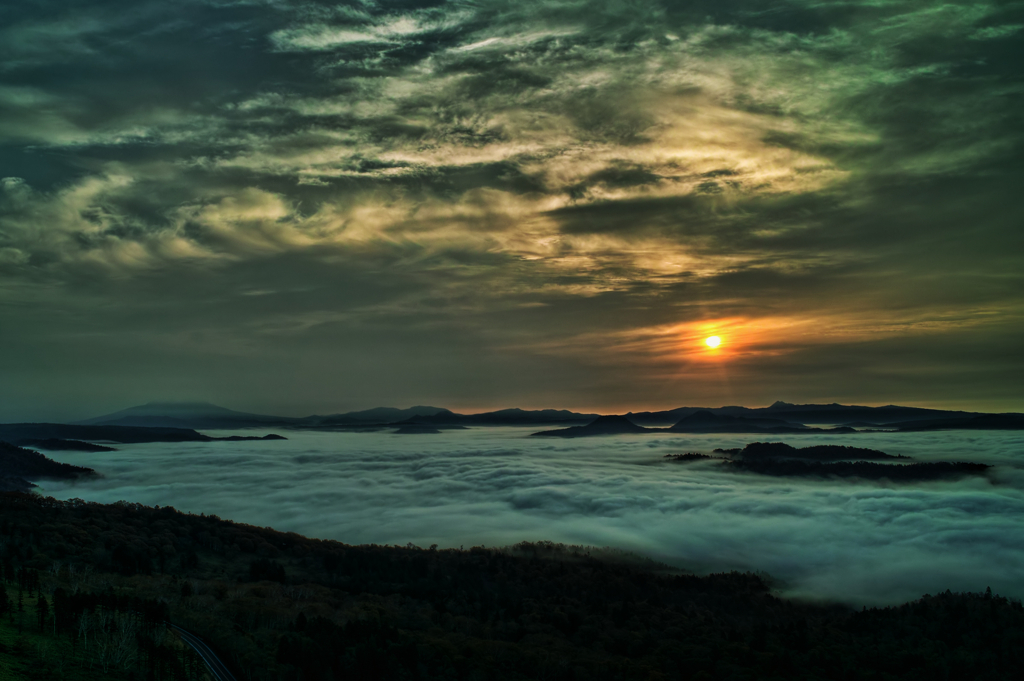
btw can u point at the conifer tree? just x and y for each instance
(43, 610)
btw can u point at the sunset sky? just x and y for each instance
(297, 207)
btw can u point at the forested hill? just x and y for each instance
(281, 606)
(19, 466)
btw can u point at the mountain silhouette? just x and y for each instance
(705, 421)
(780, 417)
(189, 415)
(602, 425)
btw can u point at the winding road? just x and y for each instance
(217, 668)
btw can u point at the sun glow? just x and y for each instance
(713, 341)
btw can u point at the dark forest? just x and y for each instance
(281, 606)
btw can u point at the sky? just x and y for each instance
(297, 207)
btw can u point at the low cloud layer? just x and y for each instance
(201, 192)
(853, 541)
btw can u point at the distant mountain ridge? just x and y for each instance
(378, 415)
(837, 414)
(702, 421)
(197, 415)
(706, 420)
(203, 415)
(779, 417)
(602, 425)
(505, 417)
(187, 415)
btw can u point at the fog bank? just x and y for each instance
(860, 542)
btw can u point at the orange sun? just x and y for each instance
(713, 341)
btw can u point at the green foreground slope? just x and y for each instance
(279, 606)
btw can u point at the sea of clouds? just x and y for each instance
(855, 541)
